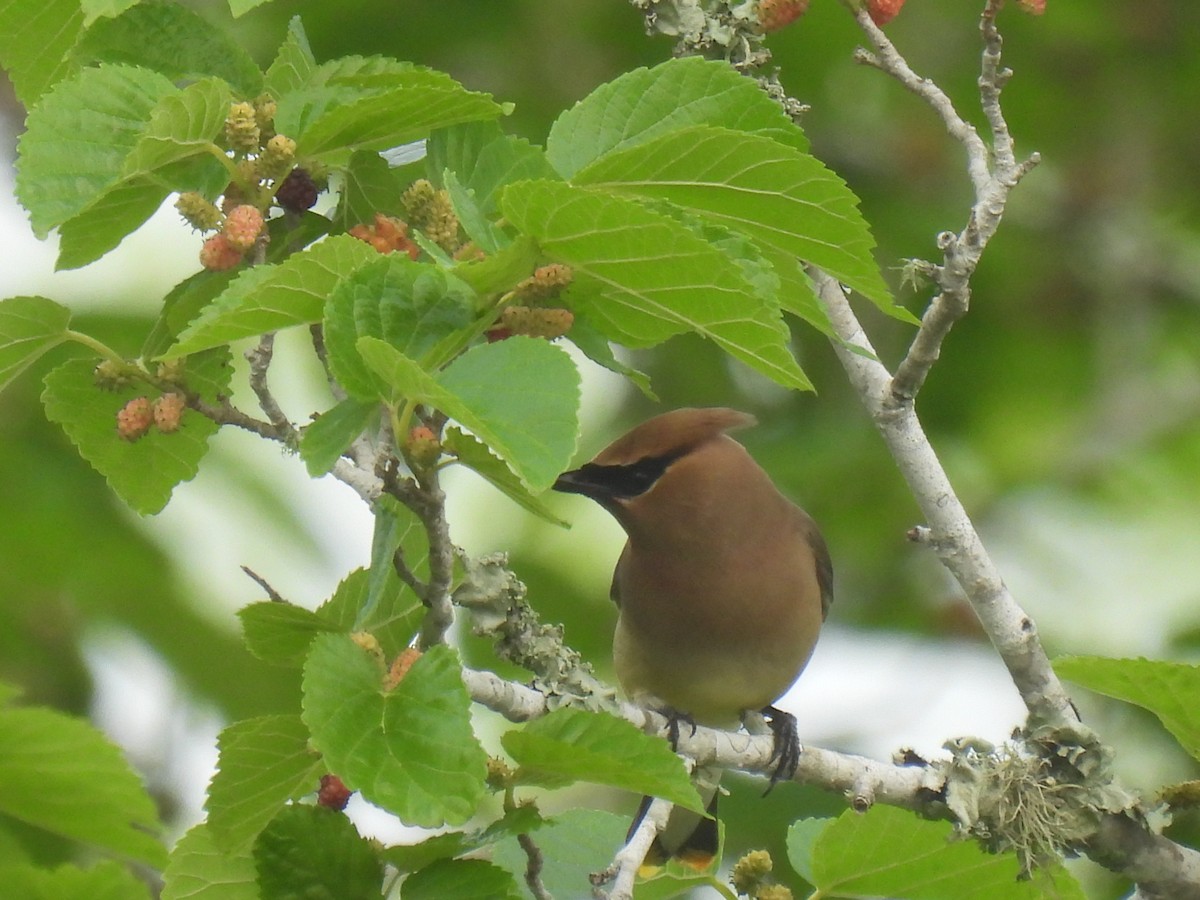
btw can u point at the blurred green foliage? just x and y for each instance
(1076, 371)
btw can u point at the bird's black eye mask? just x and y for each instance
(625, 482)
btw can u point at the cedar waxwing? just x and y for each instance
(722, 586)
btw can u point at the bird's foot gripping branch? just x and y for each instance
(435, 268)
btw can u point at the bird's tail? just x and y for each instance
(689, 838)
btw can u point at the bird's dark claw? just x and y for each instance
(786, 753)
(674, 717)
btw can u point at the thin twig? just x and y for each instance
(225, 413)
(993, 174)
(533, 868)
(260, 358)
(273, 594)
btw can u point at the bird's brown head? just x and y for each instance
(633, 463)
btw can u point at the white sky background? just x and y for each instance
(1077, 569)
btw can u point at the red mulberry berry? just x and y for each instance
(776, 14)
(297, 192)
(243, 225)
(333, 793)
(883, 11)
(218, 254)
(134, 419)
(168, 411)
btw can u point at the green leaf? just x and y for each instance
(411, 857)
(267, 298)
(36, 37)
(779, 196)
(415, 307)
(181, 125)
(115, 213)
(889, 852)
(316, 853)
(183, 303)
(570, 745)
(484, 159)
(369, 186)
(573, 844)
(280, 633)
(78, 136)
(98, 9)
(1170, 690)
(142, 473)
(500, 271)
(802, 840)
(103, 881)
(461, 879)
(241, 7)
(478, 228)
(29, 326)
(294, 64)
(199, 871)
(60, 774)
(475, 455)
(353, 104)
(324, 441)
(532, 424)
(595, 346)
(410, 750)
(397, 613)
(654, 276)
(171, 39)
(645, 103)
(264, 762)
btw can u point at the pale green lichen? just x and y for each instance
(1041, 795)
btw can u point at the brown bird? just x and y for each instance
(722, 585)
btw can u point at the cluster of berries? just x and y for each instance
(139, 415)
(533, 312)
(266, 174)
(425, 208)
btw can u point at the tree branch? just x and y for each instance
(993, 174)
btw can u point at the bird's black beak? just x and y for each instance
(575, 482)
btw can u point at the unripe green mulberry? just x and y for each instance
(242, 133)
(277, 156)
(431, 211)
(545, 283)
(201, 214)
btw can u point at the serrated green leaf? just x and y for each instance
(410, 750)
(98, 9)
(570, 745)
(78, 136)
(645, 103)
(103, 881)
(118, 211)
(802, 840)
(462, 879)
(573, 844)
(36, 37)
(655, 277)
(1170, 690)
(199, 871)
(532, 424)
(369, 186)
(294, 64)
(890, 852)
(183, 303)
(241, 7)
(142, 473)
(477, 227)
(777, 195)
(60, 774)
(267, 298)
(411, 857)
(181, 125)
(484, 159)
(397, 613)
(353, 104)
(29, 326)
(324, 441)
(171, 39)
(595, 346)
(475, 456)
(263, 763)
(413, 306)
(500, 271)
(280, 633)
(317, 854)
